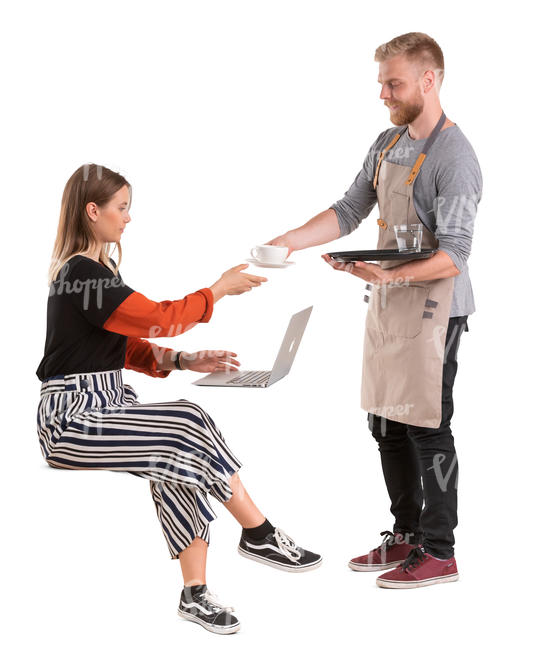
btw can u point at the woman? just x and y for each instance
(89, 419)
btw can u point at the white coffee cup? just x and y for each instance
(269, 254)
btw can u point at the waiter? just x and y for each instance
(423, 170)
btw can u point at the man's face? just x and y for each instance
(401, 89)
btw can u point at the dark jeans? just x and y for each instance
(420, 465)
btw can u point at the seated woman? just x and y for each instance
(88, 418)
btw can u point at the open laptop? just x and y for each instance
(282, 365)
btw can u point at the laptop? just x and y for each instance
(282, 365)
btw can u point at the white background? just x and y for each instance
(234, 122)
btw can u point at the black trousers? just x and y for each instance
(420, 465)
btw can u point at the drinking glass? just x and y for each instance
(409, 237)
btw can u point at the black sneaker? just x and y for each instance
(201, 606)
(278, 550)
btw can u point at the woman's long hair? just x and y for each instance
(90, 183)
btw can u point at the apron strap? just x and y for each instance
(382, 154)
(426, 147)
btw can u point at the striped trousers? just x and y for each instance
(95, 421)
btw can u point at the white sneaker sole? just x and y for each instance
(211, 628)
(395, 584)
(277, 565)
(373, 567)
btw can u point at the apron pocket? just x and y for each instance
(399, 208)
(400, 309)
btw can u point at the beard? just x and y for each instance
(406, 113)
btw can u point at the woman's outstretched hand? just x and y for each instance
(209, 361)
(233, 282)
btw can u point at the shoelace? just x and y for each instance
(286, 545)
(413, 559)
(212, 599)
(389, 540)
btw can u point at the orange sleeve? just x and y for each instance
(140, 316)
(143, 356)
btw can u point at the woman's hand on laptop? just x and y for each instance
(209, 361)
(233, 282)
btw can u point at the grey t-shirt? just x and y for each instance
(447, 191)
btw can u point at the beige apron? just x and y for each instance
(406, 323)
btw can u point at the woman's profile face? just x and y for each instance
(109, 221)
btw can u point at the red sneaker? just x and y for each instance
(419, 570)
(391, 552)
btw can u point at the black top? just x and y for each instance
(81, 299)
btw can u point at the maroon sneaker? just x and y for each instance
(391, 552)
(420, 569)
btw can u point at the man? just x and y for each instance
(422, 171)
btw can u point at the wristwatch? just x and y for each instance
(177, 361)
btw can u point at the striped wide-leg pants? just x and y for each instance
(94, 421)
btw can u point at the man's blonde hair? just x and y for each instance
(417, 47)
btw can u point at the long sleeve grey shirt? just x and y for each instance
(447, 191)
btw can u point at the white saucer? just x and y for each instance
(268, 265)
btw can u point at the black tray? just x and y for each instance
(381, 255)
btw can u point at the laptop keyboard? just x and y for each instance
(251, 378)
